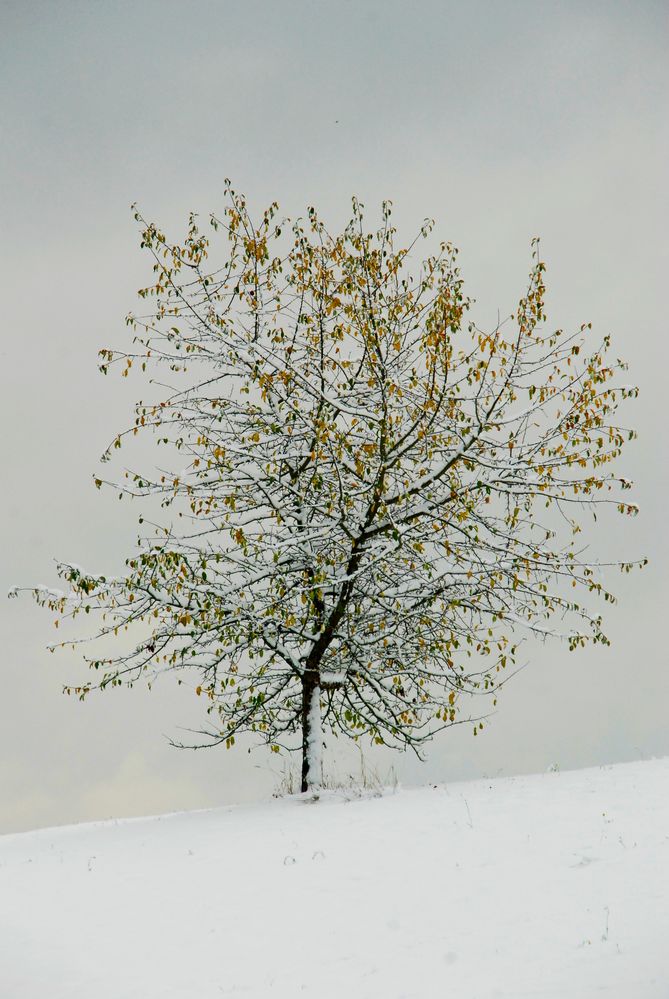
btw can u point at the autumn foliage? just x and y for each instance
(375, 498)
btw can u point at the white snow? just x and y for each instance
(553, 886)
(315, 740)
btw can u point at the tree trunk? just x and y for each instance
(312, 732)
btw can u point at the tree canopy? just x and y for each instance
(371, 499)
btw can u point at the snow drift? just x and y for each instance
(554, 885)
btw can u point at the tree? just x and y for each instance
(378, 499)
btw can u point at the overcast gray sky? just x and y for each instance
(503, 120)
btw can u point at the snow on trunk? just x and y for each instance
(312, 773)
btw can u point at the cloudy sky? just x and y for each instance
(502, 121)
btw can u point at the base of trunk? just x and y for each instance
(312, 735)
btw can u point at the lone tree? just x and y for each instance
(375, 497)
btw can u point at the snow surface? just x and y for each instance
(554, 885)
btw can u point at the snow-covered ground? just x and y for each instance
(554, 885)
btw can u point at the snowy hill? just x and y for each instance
(554, 885)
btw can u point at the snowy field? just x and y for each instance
(554, 885)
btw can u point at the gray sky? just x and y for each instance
(502, 121)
